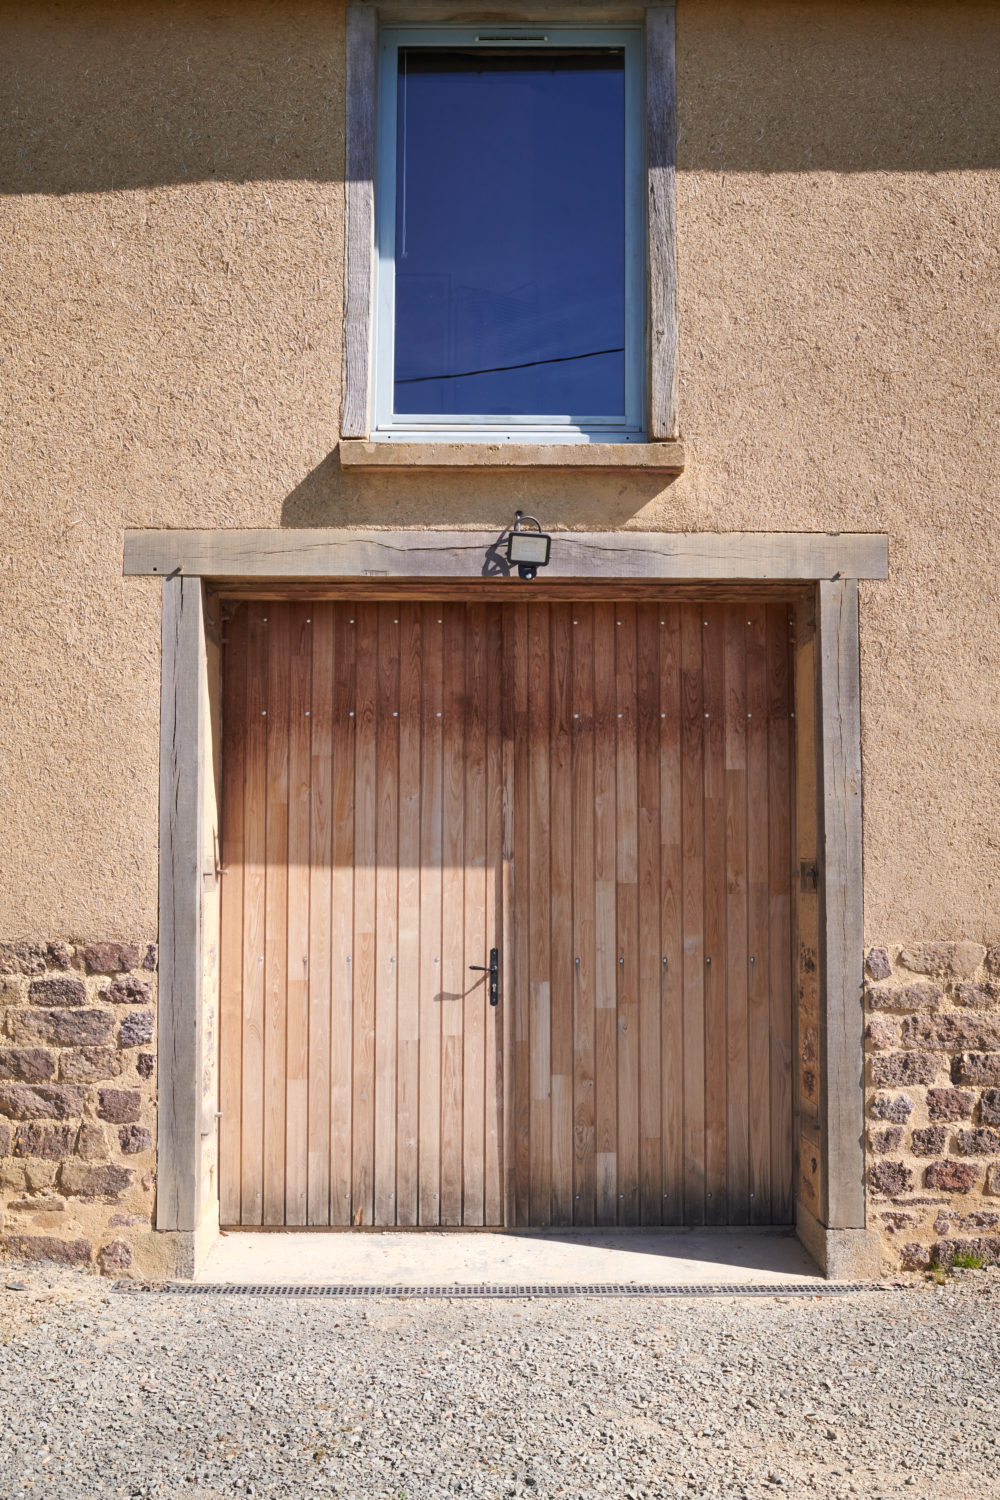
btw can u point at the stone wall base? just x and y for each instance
(841, 1254)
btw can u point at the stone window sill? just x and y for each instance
(664, 458)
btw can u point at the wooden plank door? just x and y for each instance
(361, 1063)
(651, 924)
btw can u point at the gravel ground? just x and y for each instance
(883, 1393)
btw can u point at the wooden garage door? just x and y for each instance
(617, 776)
(652, 859)
(360, 1070)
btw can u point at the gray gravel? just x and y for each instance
(877, 1394)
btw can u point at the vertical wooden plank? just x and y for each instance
(254, 891)
(431, 983)
(386, 910)
(758, 919)
(737, 957)
(539, 915)
(780, 962)
(342, 915)
(408, 957)
(359, 230)
(493, 1197)
(276, 913)
(582, 729)
(671, 917)
(365, 887)
(661, 151)
(234, 728)
(715, 915)
(649, 943)
(453, 974)
(627, 905)
(320, 897)
(517, 969)
(297, 971)
(475, 986)
(561, 999)
(693, 832)
(605, 930)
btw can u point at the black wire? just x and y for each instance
(561, 359)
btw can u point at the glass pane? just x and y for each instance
(510, 233)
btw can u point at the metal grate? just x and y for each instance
(498, 1293)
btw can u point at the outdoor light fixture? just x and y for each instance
(528, 549)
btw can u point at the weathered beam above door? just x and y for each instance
(330, 554)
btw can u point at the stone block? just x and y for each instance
(955, 960)
(47, 1247)
(6, 1138)
(79, 1180)
(52, 1101)
(59, 956)
(951, 1033)
(989, 1107)
(951, 1176)
(978, 996)
(39, 1175)
(114, 1257)
(949, 1104)
(111, 958)
(136, 1029)
(987, 1247)
(22, 958)
(149, 958)
(128, 991)
(896, 1107)
(881, 1034)
(92, 1143)
(906, 998)
(993, 1178)
(62, 1028)
(13, 1177)
(929, 1142)
(978, 1142)
(877, 963)
(976, 1067)
(145, 1063)
(135, 1138)
(881, 1142)
(57, 992)
(903, 1069)
(914, 1257)
(50, 1142)
(890, 1178)
(993, 959)
(27, 1064)
(91, 1065)
(896, 1222)
(119, 1106)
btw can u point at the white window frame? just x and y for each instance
(620, 427)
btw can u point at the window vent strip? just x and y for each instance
(502, 36)
(495, 1293)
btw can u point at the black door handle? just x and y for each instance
(494, 972)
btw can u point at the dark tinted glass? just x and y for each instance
(510, 233)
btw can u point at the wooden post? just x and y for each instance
(183, 728)
(841, 924)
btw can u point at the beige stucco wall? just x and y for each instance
(170, 276)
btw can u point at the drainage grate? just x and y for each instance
(499, 1293)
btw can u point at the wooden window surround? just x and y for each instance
(663, 450)
(820, 571)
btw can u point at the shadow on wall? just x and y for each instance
(101, 96)
(331, 496)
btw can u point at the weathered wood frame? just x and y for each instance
(194, 564)
(361, 158)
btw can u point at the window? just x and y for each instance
(510, 299)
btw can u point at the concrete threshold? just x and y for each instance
(665, 1257)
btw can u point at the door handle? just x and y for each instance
(494, 972)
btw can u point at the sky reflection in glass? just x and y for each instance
(510, 233)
